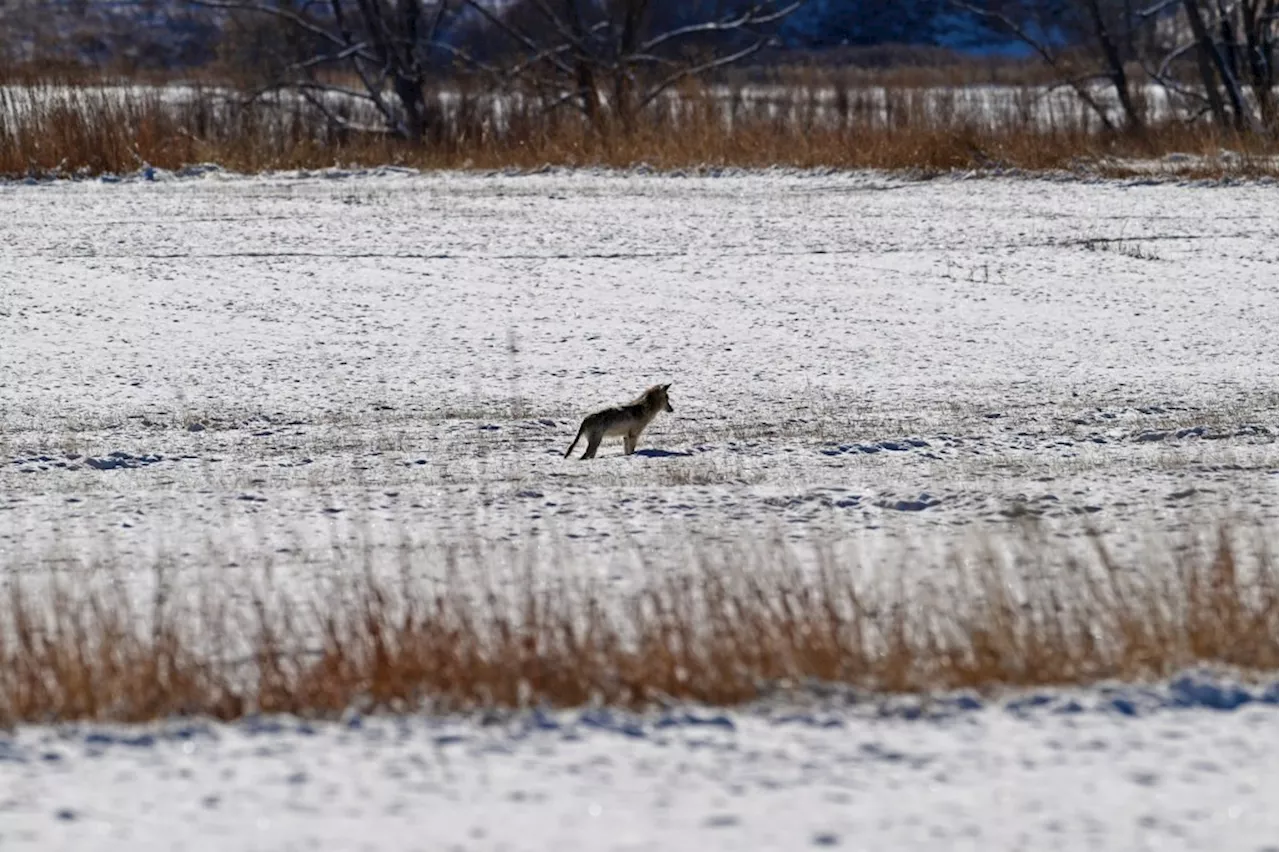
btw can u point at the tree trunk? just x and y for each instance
(1115, 66)
(1204, 47)
(1213, 59)
(588, 94)
(1230, 46)
(628, 38)
(1254, 15)
(409, 92)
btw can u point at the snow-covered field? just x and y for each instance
(1120, 769)
(305, 369)
(391, 357)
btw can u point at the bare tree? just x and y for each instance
(609, 58)
(1213, 27)
(385, 45)
(1034, 35)
(1231, 41)
(1115, 64)
(613, 58)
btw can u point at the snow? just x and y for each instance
(1112, 768)
(296, 370)
(391, 357)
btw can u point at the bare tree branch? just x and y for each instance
(513, 33)
(1041, 49)
(266, 9)
(1157, 9)
(694, 70)
(753, 17)
(332, 117)
(1172, 57)
(561, 27)
(304, 85)
(326, 58)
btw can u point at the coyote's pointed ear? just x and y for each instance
(666, 386)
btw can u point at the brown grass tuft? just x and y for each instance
(726, 631)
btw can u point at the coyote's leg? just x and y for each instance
(629, 442)
(593, 444)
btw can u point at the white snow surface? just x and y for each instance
(1188, 765)
(856, 359)
(387, 357)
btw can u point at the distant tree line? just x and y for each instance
(611, 59)
(182, 33)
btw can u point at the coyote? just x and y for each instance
(626, 420)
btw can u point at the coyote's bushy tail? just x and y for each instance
(576, 438)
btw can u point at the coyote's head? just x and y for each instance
(657, 398)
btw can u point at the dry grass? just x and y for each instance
(47, 128)
(726, 631)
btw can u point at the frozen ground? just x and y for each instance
(1190, 765)
(289, 369)
(385, 357)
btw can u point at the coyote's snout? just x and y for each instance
(626, 420)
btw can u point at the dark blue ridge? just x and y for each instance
(1188, 691)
